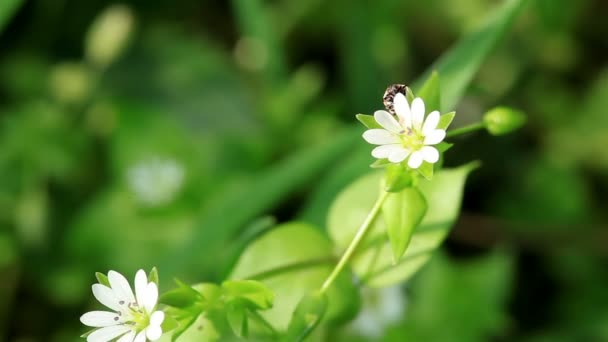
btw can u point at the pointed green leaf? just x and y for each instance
(431, 93)
(443, 146)
(254, 293)
(402, 212)
(426, 170)
(445, 120)
(306, 317)
(380, 163)
(374, 261)
(237, 318)
(368, 121)
(102, 279)
(153, 276)
(7, 9)
(409, 94)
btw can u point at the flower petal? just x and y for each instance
(121, 286)
(431, 122)
(434, 137)
(429, 154)
(415, 160)
(106, 296)
(387, 121)
(141, 285)
(398, 156)
(108, 333)
(383, 151)
(128, 337)
(141, 337)
(98, 319)
(157, 318)
(417, 112)
(151, 297)
(379, 136)
(402, 109)
(154, 332)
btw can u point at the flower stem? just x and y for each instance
(348, 254)
(466, 129)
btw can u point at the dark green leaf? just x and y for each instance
(7, 9)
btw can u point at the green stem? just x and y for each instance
(348, 254)
(466, 129)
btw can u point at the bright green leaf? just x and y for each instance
(445, 120)
(397, 178)
(402, 212)
(426, 170)
(374, 261)
(368, 121)
(306, 317)
(292, 260)
(153, 276)
(237, 318)
(102, 279)
(253, 292)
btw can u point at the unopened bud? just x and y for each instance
(503, 120)
(109, 35)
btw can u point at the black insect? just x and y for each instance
(389, 96)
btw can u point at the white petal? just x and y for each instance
(417, 112)
(157, 318)
(106, 296)
(429, 154)
(402, 108)
(108, 333)
(387, 121)
(141, 285)
(379, 136)
(415, 160)
(398, 156)
(151, 297)
(121, 286)
(99, 319)
(383, 151)
(154, 332)
(434, 137)
(141, 337)
(430, 123)
(128, 337)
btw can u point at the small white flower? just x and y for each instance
(408, 135)
(156, 181)
(133, 317)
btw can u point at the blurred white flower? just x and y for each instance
(156, 182)
(381, 308)
(407, 135)
(133, 317)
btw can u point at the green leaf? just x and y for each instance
(292, 260)
(426, 170)
(196, 329)
(374, 261)
(102, 279)
(409, 94)
(256, 294)
(443, 146)
(397, 178)
(306, 317)
(153, 276)
(7, 9)
(430, 93)
(458, 66)
(237, 318)
(445, 120)
(402, 212)
(368, 121)
(180, 298)
(380, 163)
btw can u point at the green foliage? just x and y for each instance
(7, 9)
(308, 314)
(374, 261)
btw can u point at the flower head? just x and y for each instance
(409, 134)
(133, 317)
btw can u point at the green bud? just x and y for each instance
(71, 82)
(108, 35)
(503, 120)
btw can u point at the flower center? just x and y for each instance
(134, 315)
(411, 139)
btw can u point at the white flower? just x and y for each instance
(408, 135)
(381, 308)
(156, 181)
(133, 317)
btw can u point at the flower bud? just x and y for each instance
(503, 120)
(108, 35)
(71, 82)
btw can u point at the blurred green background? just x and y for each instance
(217, 118)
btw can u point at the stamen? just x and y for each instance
(122, 302)
(116, 318)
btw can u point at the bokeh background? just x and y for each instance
(217, 118)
